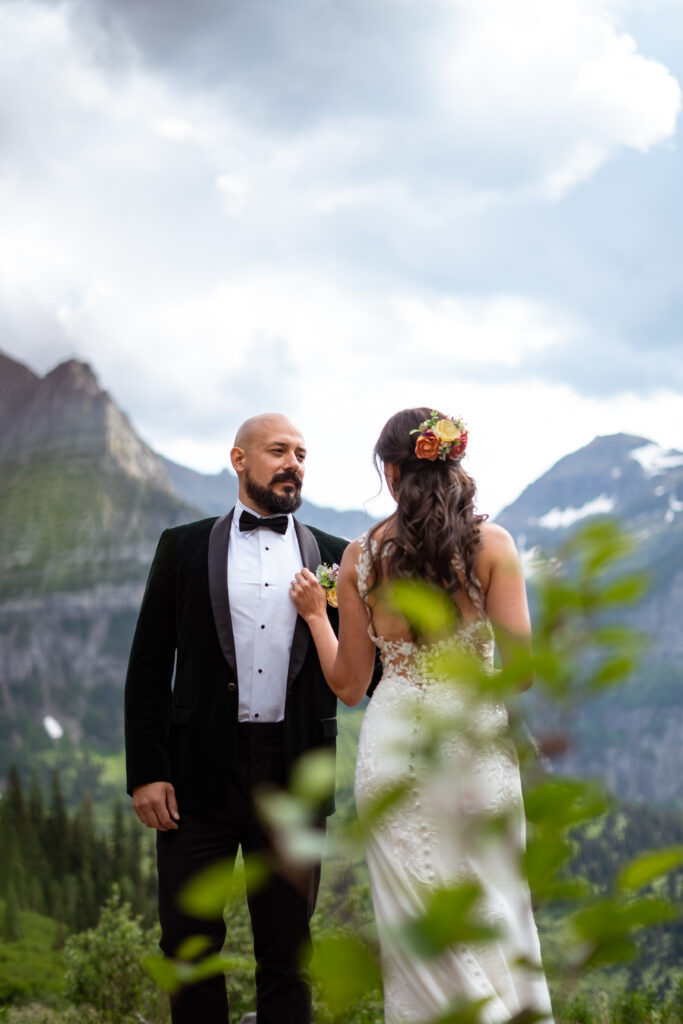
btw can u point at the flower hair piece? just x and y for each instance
(440, 438)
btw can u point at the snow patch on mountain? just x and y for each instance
(674, 506)
(655, 460)
(52, 728)
(561, 518)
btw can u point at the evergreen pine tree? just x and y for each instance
(134, 850)
(118, 842)
(17, 845)
(86, 908)
(11, 928)
(57, 913)
(57, 830)
(36, 806)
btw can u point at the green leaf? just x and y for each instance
(610, 919)
(389, 798)
(561, 803)
(598, 544)
(210, 966)
(450, 916)
(624, 591)
(303, 845)
(611, 672)
(428, 609)
(192, 947)
(283, 810)
(313, 776)
(609, 951)
(543, 858)
(463, 1011)
(207, 893)
(163, 972)
(649, 866)
(623, 638)
(346, 969)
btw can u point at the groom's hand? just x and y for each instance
(155, 805)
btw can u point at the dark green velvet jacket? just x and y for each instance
(182, 686)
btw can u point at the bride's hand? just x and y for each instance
(308, 595)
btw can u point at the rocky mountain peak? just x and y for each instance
(71, 376)
(16, 382)
(624, 475)
(66, 415)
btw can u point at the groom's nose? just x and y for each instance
(292, 463)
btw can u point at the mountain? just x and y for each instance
(631, 737)
(83, 501)
(215, 493)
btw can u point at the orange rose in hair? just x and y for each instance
(427, 447)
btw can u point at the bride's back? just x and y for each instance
(470, 603)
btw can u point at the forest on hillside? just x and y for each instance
(78, 912)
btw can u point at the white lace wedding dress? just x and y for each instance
(433, 836)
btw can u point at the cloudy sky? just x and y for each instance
(337, 208)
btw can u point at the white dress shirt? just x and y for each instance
(261, 566)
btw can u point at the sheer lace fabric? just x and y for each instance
(433, 837)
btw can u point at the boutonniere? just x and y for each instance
(327, 576)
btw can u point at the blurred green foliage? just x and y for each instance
(597, 886)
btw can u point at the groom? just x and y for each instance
(224, 691)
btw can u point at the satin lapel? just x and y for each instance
(218, 587)
(310, 556)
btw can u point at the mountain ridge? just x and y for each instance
(629, 737)
(83, 501)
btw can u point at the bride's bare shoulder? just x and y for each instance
(352, 554)
(497, 546)
(496, 537)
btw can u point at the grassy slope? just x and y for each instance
(32, 966)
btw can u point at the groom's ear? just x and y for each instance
(237, 457)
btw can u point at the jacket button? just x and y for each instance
(232, 686)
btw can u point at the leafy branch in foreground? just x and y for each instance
(580, 649)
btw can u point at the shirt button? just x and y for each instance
(256, 715)
(266, 584)
(260, 671)
(263, 627)
(232, 686)
(267, 548)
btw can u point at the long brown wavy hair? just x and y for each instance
(435, 531)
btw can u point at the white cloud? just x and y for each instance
(210, 264)
(548, 91)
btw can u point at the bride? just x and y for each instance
(429, 840)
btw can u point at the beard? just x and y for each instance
(271, 502)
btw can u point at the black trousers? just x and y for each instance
(280, 911)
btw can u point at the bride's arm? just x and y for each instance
(506, 600)
(347, 663)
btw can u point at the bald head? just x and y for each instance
(265, 424)
(269, 456)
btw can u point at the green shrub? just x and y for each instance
(104, 971)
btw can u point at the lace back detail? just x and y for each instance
(403, 658)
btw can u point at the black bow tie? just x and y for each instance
(276, 523)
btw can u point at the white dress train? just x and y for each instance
(433, 837)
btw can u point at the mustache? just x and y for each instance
(287, 477)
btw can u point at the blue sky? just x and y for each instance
(337, 209)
